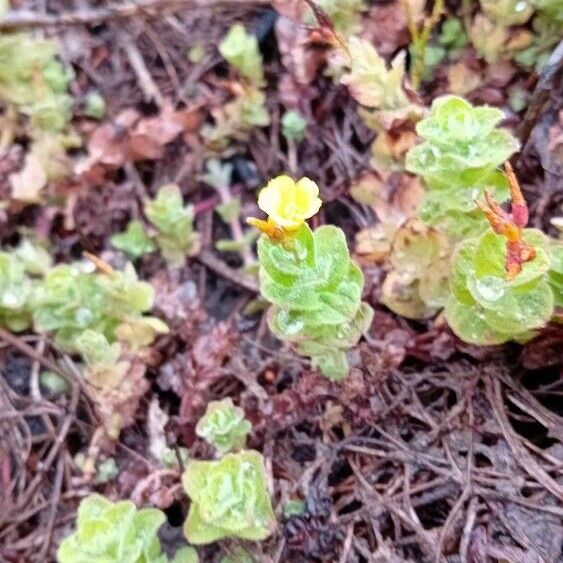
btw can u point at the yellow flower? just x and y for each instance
(289, 203)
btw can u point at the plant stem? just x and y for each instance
(236, 229)
(420, 37)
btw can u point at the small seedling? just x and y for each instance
(314, 286)
(173, 221)
(94, 106)
(134, 241)
(293, 125)
(229, 498)
(241, 50)
(224, 426)
(247, 109)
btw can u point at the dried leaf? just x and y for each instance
(371, 83)
(462, 79)
(28, 182)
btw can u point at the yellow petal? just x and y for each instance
(270, 197)
(287, 203)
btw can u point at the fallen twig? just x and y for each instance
(20, 19)
(219, 267)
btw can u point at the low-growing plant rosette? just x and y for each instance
(108, 532)
(224, 426)
(229, 499)
(308, 276)
(485, 307)
(459, 158)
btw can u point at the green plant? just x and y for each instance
(492, 32)
(547, 30)
(108, 532)
(452, 35)
(134, 241)
(293, 125)
(34, 95)
(229, 498)
(314, 286)
(15, 292)
(370, 82)
(420, 35)
(247, 109)
(224, 426)
(379, 90)
(94, 106)
(486, 306)
(218, 175)
(240, 49)
(70, 300)
(459, 157)
(499, 281)
(116, 382)
(175, 234)
(549, 9)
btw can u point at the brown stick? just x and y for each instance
(219, 267)
(24, 19)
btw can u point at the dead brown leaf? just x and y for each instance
(386, 27)
(462, 79)
(131, 137)
(29, 181)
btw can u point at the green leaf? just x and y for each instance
(186, 555)
(133, 241)
(293, 125)
(452, 34)
(241, 50)
(224, 426)
(521, 312)
(15, 293)
(95, 349)
(95, 106)
(229, 211)
(469, 324)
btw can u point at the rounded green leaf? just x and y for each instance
(520, 312)
(468, 323)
